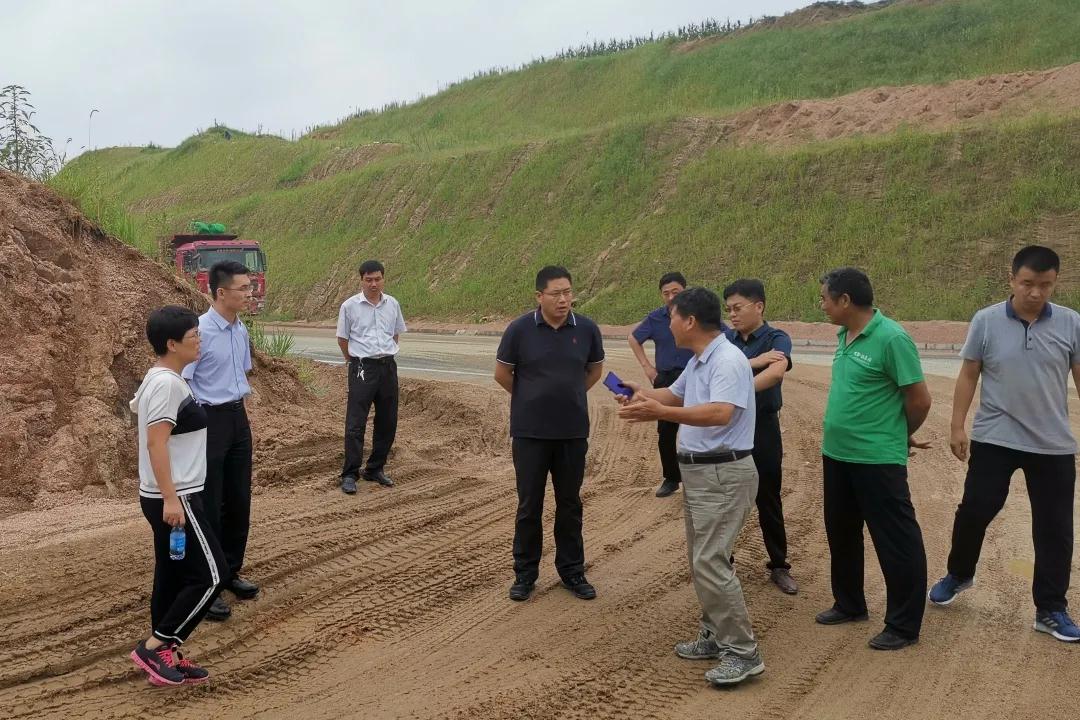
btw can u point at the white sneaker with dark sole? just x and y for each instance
(733, 669)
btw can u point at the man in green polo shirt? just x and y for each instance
(877, 401)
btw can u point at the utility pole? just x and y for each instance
(88, 126)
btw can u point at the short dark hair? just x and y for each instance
(1038, 258)
(851, 282)
(701, 304)
(371, 266)
(222, 273)
(750, 288)
(171, 322)
(672, 277)
(549, 273)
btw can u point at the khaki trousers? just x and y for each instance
(716, 501)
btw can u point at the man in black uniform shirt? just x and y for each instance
(547, 360)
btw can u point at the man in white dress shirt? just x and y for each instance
(369, 324)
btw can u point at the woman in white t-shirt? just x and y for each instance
(172, 471)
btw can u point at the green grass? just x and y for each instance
(902, 44)
(566, 162)
(278, 344)
(105, 209)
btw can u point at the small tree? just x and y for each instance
(23, 149)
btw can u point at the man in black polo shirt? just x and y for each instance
(670, 362)
(547, 360)
(769, 352)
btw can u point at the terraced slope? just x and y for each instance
(727, 156)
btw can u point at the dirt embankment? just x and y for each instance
(73, 350)
(869, 113)
(882, 110)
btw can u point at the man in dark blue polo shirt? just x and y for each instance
(769, 352)
(547, 360)
(670, 362)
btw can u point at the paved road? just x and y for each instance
(470, 358)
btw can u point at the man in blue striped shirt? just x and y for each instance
(218, 379)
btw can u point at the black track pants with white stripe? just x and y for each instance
(183, 589)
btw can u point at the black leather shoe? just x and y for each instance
(219, 611)
(380, 477)
(781, 578)
(243, 589)
(832, 616)
(581, 588)
(522, 589)
(889, 640)
(666, 488)
(348, 485)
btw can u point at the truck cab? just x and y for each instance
(194, 255)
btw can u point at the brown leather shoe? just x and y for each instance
(781, 577)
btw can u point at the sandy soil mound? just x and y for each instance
(871, 112)
(73, 350)
(882, 110)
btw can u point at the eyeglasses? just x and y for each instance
(193, 334)
(559, 293)
(241, 289)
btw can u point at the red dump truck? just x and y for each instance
(195, 253)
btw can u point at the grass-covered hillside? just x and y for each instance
(592, 163)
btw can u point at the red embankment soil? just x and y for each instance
(392, 603)
(73, 349)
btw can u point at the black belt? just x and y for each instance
(384, 360)
(713, 458)
(234, 405)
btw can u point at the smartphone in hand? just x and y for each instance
(614, 384)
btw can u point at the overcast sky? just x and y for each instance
(158, 70)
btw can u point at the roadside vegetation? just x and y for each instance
(274, 344)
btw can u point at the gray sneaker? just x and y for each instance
(734, 669)
(703, 648)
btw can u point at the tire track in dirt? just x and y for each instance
(393, 603)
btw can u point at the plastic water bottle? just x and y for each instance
(177, 543)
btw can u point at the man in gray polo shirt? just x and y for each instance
(1024, 349)
(713, 403)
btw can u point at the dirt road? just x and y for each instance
(392, 603)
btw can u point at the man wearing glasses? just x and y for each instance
(547, 360)
(218, 380)
(769, 351)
